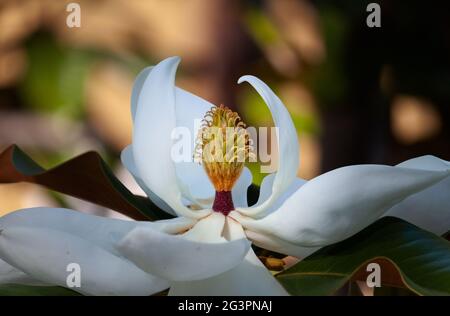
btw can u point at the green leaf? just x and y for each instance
(408, 256)
(86, 177)
(54, 81)
(29, 290)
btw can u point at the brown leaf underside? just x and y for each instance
(83, 177)
(390, 275)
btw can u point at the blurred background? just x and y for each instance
(356, 94)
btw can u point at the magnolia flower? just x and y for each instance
(205, 249)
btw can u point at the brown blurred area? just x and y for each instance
(356, 94)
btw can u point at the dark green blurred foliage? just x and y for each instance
(54, 81)
(328, 81)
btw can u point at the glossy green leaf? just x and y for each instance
(408, 256)
(86, 177)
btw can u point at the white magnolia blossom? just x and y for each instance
(201, 251)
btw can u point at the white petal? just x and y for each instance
(11, 275)
(128, 161)
(154, 122)
(195, 188)
(208, 229)
(195, 185)
(189, 110)
(266, 191)
(426, 162)
(430, 208)
(288, 148)
(200, 253)
(137, 88)
(189, 107)
(239, 191)
(249, 278)
(104, 232)
(273, 243)
(340, 203)
(46, 254)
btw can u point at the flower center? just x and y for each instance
(223, 146)
(223, 202)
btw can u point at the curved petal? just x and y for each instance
(430, 208)
(200, 253)
(273, 243)
(195, 185)
(48, 255)
(239, 191)
(340, 203)
(102, 231)
(189, 111)
(266, 191)
(128, 161)
(188, 108)
(288, 148)
(11, 275)
(249, 278)
(137, 88)
(427, 162)
(155, 121)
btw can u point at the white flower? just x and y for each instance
(207, 252)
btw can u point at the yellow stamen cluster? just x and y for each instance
(223, 146)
